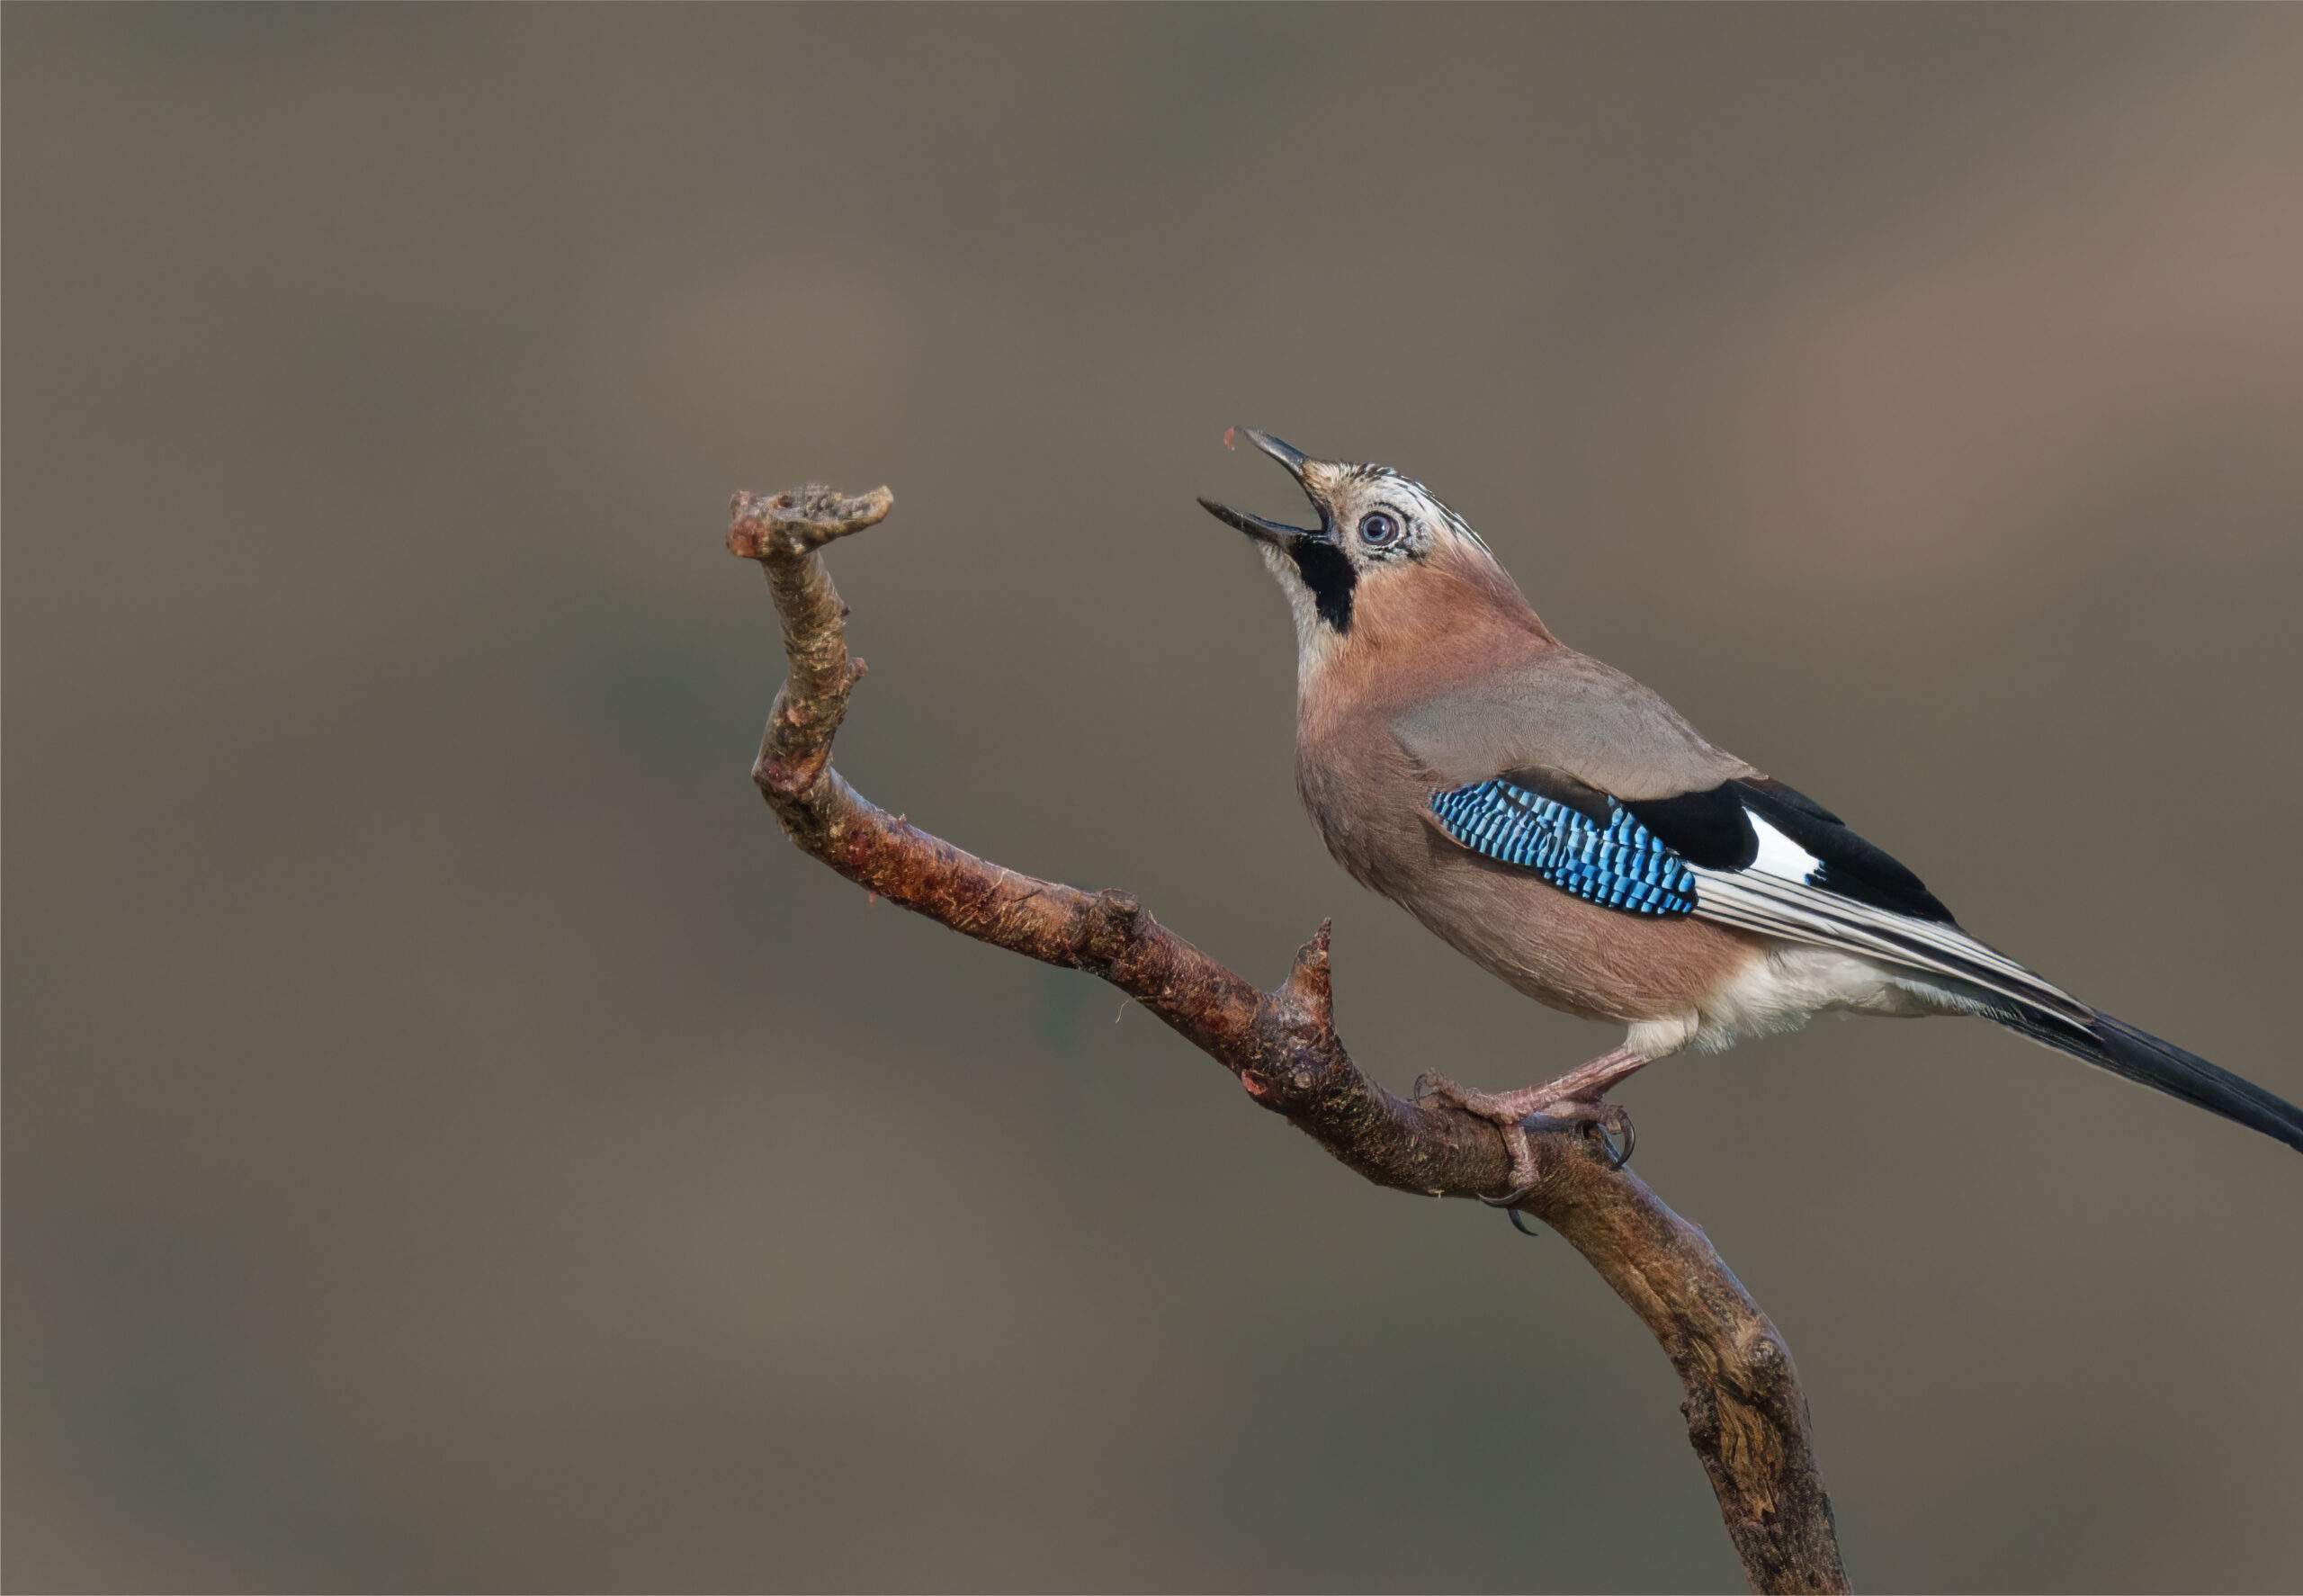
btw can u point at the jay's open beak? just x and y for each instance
(1287, 454)
(1256, 526)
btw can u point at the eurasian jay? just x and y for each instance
(1563, 826)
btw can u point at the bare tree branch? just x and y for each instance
(1746, 1416)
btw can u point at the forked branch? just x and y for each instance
(1746, 1416)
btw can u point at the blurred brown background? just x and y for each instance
(453, 1141)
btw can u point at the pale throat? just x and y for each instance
(1316, 642)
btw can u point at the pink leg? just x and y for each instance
(1575, 1095)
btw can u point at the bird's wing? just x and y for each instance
(1670, 826)
(1768, 859)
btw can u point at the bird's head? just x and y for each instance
(1386, 557)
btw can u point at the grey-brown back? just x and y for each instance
(1559, 710)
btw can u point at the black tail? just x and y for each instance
(2141, 1057)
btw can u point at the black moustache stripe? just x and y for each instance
(1330, 576)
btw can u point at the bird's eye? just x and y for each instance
(1376, 529)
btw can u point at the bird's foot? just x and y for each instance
(1550, 1106)
(1611, 1120)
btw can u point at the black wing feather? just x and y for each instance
(1709, 829)
(1713, 829)
(1851, 867)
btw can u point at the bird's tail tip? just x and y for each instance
(2138, 1055)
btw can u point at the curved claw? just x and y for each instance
(1512, 1199)
(1433, 1084)
(1630, 1140)
(1519, 1222)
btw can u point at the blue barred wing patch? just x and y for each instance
(1620, 865)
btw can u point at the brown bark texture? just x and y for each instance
(1746, 1416)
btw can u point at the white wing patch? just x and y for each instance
(1778, 855)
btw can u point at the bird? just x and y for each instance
(1559, 824)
